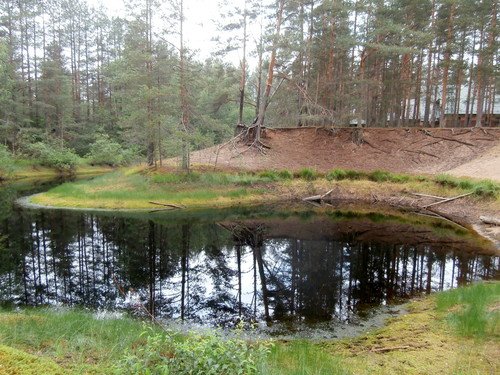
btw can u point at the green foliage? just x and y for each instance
(453, 182)
(270, 175)
(15, 361)
(215, 179)
(285, 174)
(472, 309)
(55, 156)
(308, 174)
(88, 344)
(208, 354)
(483, 188)
(345, 174)
(486, 188)
(6, 162)
(301, 357)
(336, 174)
(104, 151)
(379, 176)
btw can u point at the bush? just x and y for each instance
(308, 174)
(6, 162)
(54, 156)
(104, 151)
(195, 354)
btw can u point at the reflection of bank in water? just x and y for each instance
(279, 268)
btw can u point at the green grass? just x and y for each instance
(74, 342)
(14, 361)
(482, 188)
(301, 358)
(473, 310)
(308, 174)
(134, 188)
(81, 343)
(73, 338)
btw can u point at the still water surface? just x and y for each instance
(277, 267)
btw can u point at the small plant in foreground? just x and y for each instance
(208, 354)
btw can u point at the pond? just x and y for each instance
(289, 271)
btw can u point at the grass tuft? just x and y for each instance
(308, 174)
(472, 310)
(285, 174)
(483, 188)
(301, 357)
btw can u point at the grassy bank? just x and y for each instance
(31, 169)
(136, 188)
(426, 340)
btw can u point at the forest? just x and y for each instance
(76, 81)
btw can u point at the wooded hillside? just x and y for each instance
(72, 75)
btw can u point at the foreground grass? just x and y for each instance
(424, 341)
(427, 340)
(136, 188)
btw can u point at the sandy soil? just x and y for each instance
(486, 165)
(472, 152)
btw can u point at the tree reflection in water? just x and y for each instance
(222, 272)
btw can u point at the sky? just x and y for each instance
(200, 16)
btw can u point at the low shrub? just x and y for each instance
(208, 354)
(54, 156)
(105, 151)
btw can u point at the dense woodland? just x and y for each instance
(74, 78)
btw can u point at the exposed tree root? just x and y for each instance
(421, 153)
(428, 133)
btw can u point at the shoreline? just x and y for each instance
(346, 194)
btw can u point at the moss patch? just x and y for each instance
(16, 362)
(421, 342)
